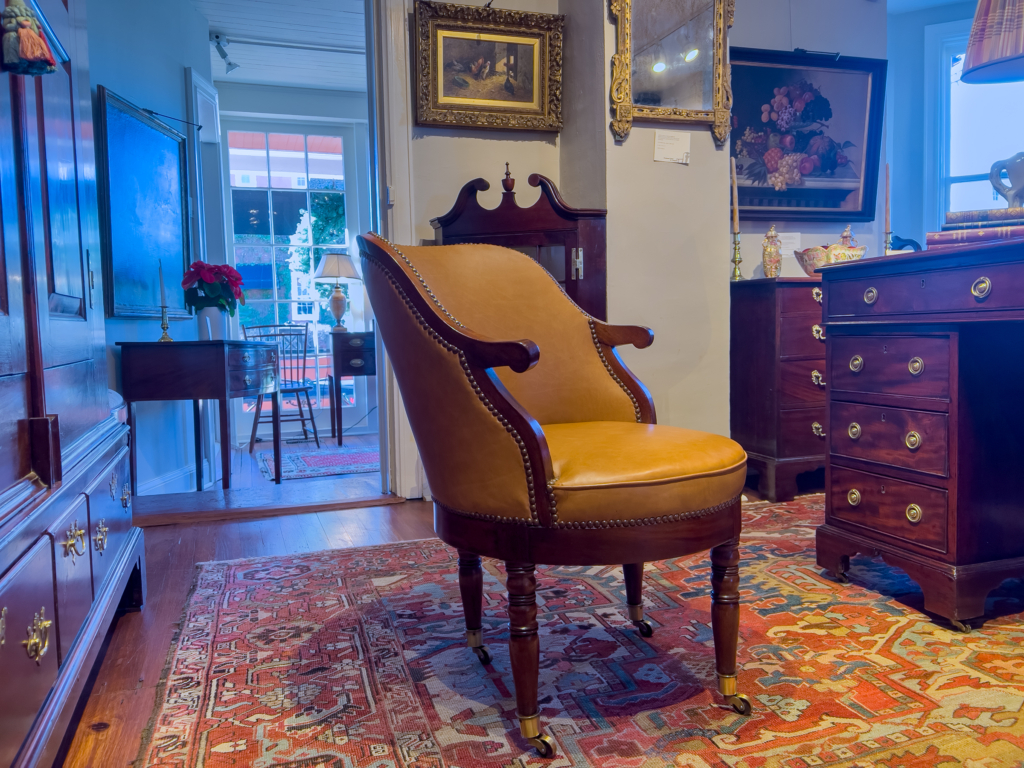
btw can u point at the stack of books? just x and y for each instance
(969, 227)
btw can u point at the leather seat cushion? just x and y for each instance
(607, 471)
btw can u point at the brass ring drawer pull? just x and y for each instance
(817, 429)
(853, 430)
(856, 363)
(126, 497)
(914, 513)
(913, 441)
(981, 288)
(248, 380)
(38, 637)
(246, 358)
(817, 378)
(818, 332)
(356, 363)
(74, 535)
(853, 496)
(916, 366)
(816, 294)
(871, 295)
(100, 539)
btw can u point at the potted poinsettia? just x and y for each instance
(214, 291)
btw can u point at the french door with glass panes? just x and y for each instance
(288, 209)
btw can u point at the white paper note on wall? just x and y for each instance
(788, 242)
(672, 147)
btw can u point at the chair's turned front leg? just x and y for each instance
(524, 648)
(471, 585)
(634, 576)
(725, 620)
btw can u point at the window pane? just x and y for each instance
(256, 313)
(256, 267)
(984, 124)
(974, 196)
(247, 159)
(291, 217)
(251, 214)
(326, 163)
(287, 161)
(294, 275)
(328, 218)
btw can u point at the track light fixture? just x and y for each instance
(219, 41)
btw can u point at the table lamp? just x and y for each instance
(336, 265)
(995, 50)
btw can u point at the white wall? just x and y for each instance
(139, 50)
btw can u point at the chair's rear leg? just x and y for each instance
(634, 575)
(471, 585)
(725, 620)
(524, 648)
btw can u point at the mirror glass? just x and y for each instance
(673, 47)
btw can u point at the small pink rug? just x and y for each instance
(341, 461)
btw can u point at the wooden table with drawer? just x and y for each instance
(202, 370)
(776, 373)
(925, 427)
(352, 354)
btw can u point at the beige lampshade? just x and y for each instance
(995, 50)
(335, 265)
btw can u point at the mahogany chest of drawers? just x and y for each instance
(925, 421)
(777, 380)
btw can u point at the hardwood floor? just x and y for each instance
(117, 711)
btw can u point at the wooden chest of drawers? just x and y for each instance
(777, 380)
(925, 428)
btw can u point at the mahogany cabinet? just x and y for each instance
(70, 557)
(777, 380)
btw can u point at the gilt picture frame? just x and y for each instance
(492, 68)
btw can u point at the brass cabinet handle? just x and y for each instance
(817, 429)
(853, 430)
(356, 363)
(817, 378)
(38, 642)
(246, 358)
(3, 627)
(818, 332)
(816, 294)
(100, 539)
(853, 496)
(248, 379)
(74, 535)
(126, 497)
(981, 288)
(913, 441)
(856, 363)
(356, 342)
(916, 366)
(871, 295)
(113, 485)
(914, 513)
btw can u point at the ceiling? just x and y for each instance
(904, 6)
(326, 23)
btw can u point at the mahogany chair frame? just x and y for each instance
(523, 544)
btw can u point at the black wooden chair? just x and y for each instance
(292, 341)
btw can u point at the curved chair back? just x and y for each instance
(292, 342)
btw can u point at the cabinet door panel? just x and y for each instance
(12, 323)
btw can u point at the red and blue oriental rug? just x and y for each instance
(356, 658)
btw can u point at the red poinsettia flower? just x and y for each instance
(230, 274)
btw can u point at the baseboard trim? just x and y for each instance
(157, 485)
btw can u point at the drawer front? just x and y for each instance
(797, 298)
(801, 433)
(110, 518)
(906, 511)
(71, 559)
(28, 654)
(357, 362)
(803, 383)
(252, 382)
(895, 436)
(802, 335)
(916, 366)
(259, 357)
(992, 286)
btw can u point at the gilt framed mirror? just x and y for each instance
(672, 63)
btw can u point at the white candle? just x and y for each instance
(163, 291)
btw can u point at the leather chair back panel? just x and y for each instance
(472, 463)
(503, 294)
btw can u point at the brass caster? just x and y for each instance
(740, 703)
(842, 578)
(961, 626)
(544, 745)
(483, 654)
(644, 628)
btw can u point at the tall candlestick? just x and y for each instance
(735, 199)
(163, 291)
(888, 214)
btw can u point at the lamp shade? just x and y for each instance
(335, 265)
(995, 50)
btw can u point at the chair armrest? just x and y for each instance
(619, 335)
(480, 351)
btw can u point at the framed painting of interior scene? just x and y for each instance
(144, 222)
(487, 67)
(806, 134)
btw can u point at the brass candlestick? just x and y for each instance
(888, 241)
(163, 324)
(736, 260)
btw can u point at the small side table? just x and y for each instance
(353, 354)
(201, 370)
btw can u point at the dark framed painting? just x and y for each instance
(143, 191)
(806, 134)
(482, 67)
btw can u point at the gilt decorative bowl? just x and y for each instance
(812, 258)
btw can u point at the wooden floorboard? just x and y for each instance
(122, 698)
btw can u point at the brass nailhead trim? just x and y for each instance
(607, 367)
(697, 513)
(488, 518)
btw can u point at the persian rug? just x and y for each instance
(355, 658)
(340, 461)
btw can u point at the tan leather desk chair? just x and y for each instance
(541, 447)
